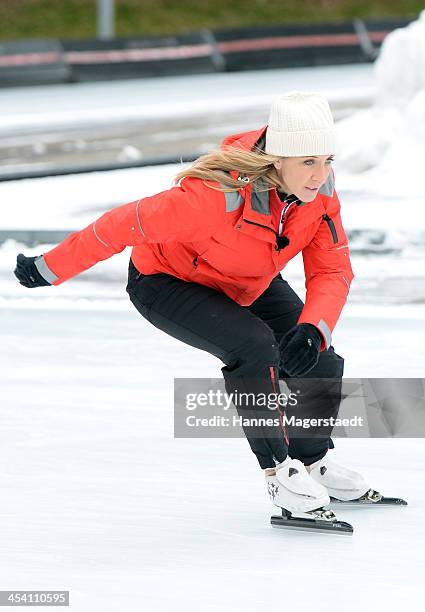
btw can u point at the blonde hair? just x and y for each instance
(253, 167)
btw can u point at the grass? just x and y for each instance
(77, 18)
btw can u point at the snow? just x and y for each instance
(97, 495)
(395, 123)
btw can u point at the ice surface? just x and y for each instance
(86, 124)
(99, 498)
(59, 106)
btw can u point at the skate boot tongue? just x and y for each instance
(292, 464)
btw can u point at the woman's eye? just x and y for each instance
(308, 162)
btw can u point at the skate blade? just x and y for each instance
(324, 525)
(371, 498)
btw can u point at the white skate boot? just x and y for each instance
(340, 482)
(293, 488)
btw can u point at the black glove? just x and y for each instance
(27, 273)
(299, 349)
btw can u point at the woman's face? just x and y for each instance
(299, 174)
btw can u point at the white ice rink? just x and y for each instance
(99, 498)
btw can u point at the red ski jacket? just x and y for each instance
(227, 241)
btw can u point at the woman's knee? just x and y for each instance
(256, 350)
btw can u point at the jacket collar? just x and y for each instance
(257, 213)
(259, 204)
(245, 140)
(257, 208)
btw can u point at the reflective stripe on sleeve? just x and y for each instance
(44, 270)
(326, 332)
(138, 219)
(98, 237)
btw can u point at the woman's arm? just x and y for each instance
(328, 273)
(183, 213)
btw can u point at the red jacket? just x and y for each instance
(227, 241)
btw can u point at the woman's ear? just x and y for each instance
(277, 164)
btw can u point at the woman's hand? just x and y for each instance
(27, 274)
(299, 349)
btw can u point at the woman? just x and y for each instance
(205, 268)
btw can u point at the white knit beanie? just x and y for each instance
(300, 124)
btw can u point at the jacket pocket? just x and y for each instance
(244, 260)
(332, 227)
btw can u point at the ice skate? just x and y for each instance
(293, 490)
(347, 486)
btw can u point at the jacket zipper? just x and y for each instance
(195, 259)
(282, 239)
(260, 225)
(331, 226)
(286, 207)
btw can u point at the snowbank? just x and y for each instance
(386, 143)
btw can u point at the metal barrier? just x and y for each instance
(33, 62)
(54, 61)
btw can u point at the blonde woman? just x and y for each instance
(205, 268)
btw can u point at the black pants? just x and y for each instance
(246, 339)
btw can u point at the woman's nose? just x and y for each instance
(320, 175)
